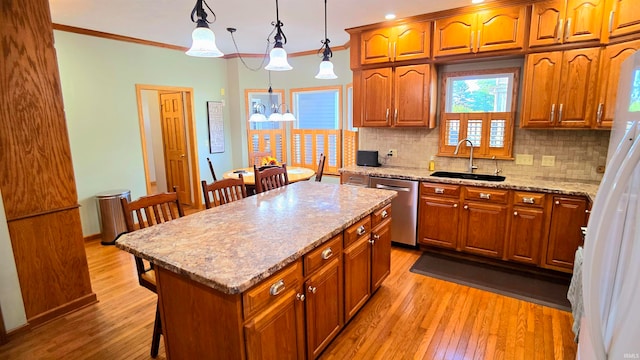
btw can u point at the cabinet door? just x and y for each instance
(578, 88)
(438, 222)
(501, 29)
(411, 95)
(454, 35)
(622, 18)
(483, 228)
(583, 20)
(278, 331)
(412, 41)
(525, 239)
(324, 306)
(376, 97)
(380, 254)
(567, 216)
(547, 18)
(357, 276)
(375, 46)
(541, 79)
(610, 64)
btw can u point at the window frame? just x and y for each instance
(484, 150)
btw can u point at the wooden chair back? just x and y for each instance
(270, 178)
(257, 157)
(223, 191)
(213, 173)
(320, 168)
(148, 211)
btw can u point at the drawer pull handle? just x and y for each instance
(327, 253)
(384, 214)
(438, 190)
(312, 289)
(361, 230)
(277, 287)
(552, 114)
(300, 297)
(529, 200)
(485, 196)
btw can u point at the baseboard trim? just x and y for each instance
(17, 332)
(97, 236)
(65, 309)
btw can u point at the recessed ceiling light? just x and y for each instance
(477, 1)
(390, 16)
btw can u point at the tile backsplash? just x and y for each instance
(577, 152)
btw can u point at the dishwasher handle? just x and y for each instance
(391, 187)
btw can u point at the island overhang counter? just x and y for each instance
(210, 264)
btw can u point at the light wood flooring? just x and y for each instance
(410, 317)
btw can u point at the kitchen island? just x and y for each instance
(230, 278)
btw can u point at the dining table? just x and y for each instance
(294, 173)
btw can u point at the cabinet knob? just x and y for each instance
(455, 205)
(466, 207)
(312, 289)
(376, 237)
(327, 253)
(587, 211)
(300, 297)
(557, 202)
(361, 230)
(515, 213)
(384, 214)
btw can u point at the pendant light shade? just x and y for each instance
(203, 40)
(277, 56)
(325, 71)
(258, 114)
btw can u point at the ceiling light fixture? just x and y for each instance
(390, 16)
(204, 41)
(326, 67)
(277, 56)
(477, 1)
(258, 113)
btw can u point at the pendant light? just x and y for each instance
(204, 40)
(326, 67)
(258, 113)
(277, 56)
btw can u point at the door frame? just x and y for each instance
(194, 173)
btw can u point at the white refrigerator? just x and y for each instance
(610, 325)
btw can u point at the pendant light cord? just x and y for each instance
(264, 57)
(325, 50)
(198, 10)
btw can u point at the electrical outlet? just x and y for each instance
(524, 159)
(548, 160)
(392, 153)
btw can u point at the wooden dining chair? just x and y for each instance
(149, 211)
(270, 177)
(213, 173)
(257, 157)
(320, 168)
(223, 191)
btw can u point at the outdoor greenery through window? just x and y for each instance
(479, 106)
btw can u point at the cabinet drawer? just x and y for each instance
(271, 289)
(528, 199)
(440, 189)
(380, 215)
(357, 230)
(489, 195)
(322, 255)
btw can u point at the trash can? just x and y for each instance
(112, 221)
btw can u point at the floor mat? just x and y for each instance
(539, 289)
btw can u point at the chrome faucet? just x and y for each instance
(471, 166)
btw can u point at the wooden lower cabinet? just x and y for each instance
(439, 221)
(484, 228)
(526, 235)
(380, 253)
(357, 276)
(568, 214)
(278, 332)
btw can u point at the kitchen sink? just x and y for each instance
(468, 176)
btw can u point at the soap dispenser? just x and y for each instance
(432, 163)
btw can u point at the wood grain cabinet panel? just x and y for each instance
(357, 276)
(376, 89)
(438, 221)
(568, 214)
(403, 42)
(526, 235)
(412, 94)
(488, 30)
(558, 22)
(610, 64)
(560, 89)
(484, 228)
(622, 17)
(380, 253)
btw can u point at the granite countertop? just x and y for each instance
(551, 186)
(232, 247)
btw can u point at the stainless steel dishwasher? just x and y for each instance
(404, 208)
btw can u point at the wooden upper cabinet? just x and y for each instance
(411, 92)
(560, 89)
(557, 22)
(621, 18)
(488, 30)
(398, 43)
(376, 92)
(612, 58)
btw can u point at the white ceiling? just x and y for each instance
(168, 21)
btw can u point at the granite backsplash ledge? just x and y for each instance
(578, 153)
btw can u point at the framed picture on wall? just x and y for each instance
(216, 127)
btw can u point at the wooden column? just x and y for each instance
(36, 173)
